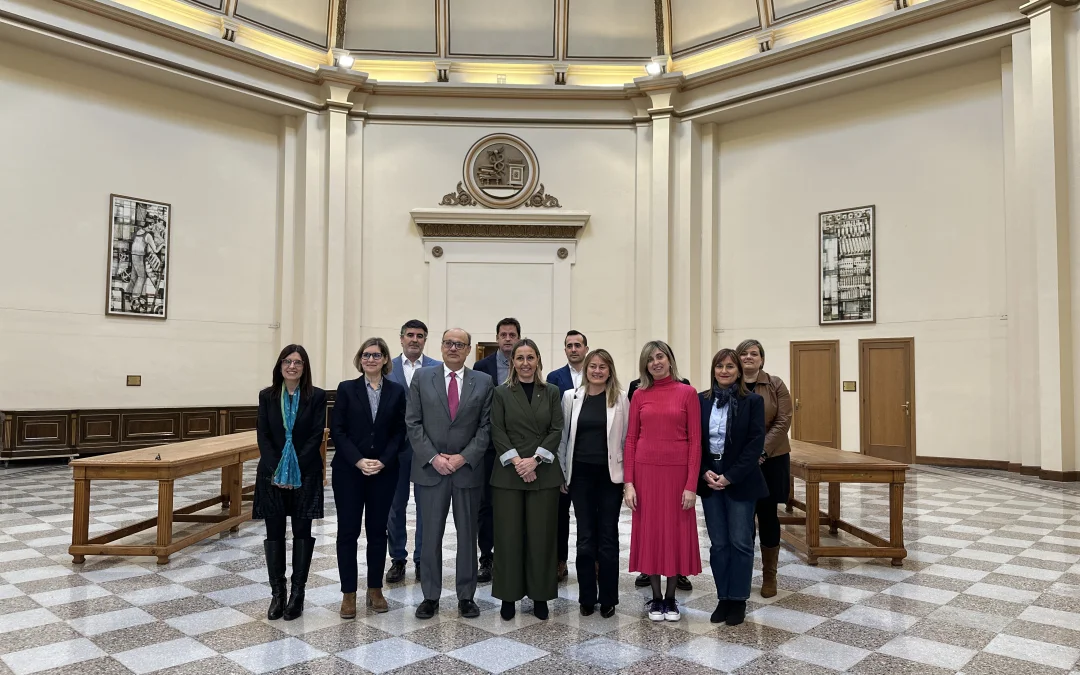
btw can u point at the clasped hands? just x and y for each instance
(370, 467)
(447, 464)
(526, 468)
(716, 481)
(688, 500)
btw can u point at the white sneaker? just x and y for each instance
(656, 609)
(671, 610)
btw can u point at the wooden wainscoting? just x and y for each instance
(29, 434)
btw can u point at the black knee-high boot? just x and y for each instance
(275, 568)
(301, 563)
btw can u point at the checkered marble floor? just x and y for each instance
(991, 585)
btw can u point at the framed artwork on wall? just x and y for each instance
(846, 276)
(138, 280)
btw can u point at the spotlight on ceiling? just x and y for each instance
(345, 60)
(653, 68)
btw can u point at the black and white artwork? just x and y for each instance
(847, 266)
(139, 257)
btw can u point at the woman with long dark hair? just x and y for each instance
(526, 424)
(368, 428)
(776, 459)
(732, 438)
(289, 479)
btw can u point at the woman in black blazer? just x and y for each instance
(368, 428)
(732, 442)
(290, 396)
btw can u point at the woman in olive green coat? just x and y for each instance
(526, 425)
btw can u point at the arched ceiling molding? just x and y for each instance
(400, 28)
(306, 21)
(699, 25)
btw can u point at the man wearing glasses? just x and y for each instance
(497, 367)
(413, 339)
(448, 419)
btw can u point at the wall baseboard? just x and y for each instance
(960, 462)
(999, 465)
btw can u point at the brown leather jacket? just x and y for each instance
(777, 413)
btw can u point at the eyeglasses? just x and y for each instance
(289, 363)
(454, 344)
(371, 356)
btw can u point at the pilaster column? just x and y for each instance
(657, 252)
(338, 85)
(1050, 218)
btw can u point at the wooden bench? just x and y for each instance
(165, 464)
(817, 464)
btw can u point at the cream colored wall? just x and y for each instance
(409, 166)
(74, 134)
(928, 153)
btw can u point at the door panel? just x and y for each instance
(887, 405)
(815, 386)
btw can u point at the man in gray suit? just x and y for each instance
(449, 425)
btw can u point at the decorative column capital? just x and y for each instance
(338, 84)
(1037, 6)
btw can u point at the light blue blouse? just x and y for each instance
(718, 430)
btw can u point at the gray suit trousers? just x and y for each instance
(433, 502)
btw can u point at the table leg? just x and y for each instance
(226, 492)
(813, 522)
(164, 519)
(896, 519)
(80, 519)
(834, 507)
(791, 494)
(235, 496)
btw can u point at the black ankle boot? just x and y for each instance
(275, 568)
(736, 612)
(508, 610)
(720, 613)
(540, 610)
(301, 563)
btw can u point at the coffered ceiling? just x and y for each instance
(554, 30)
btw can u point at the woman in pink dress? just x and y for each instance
(661, 460)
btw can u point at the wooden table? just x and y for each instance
(817, 464)
(165, 464)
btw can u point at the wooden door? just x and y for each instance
(887, 404)
(815, 392)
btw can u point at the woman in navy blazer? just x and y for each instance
(368, 428)
(732, 442)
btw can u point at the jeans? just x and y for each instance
(730, 523)
(597, 503)
(353, 493)
(395, 526)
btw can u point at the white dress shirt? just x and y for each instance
(409, 367)
(460, 379)
(575, 376)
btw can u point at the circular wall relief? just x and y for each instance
(562, 253)
(437, 251)
(501, 171)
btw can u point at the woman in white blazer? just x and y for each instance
(595, 417)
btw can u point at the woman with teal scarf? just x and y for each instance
(289, 479)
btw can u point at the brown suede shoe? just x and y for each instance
(376, 601)
(348, 606)
(769, 557)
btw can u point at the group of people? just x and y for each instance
(508, 451)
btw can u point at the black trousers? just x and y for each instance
(777, 472)
(597, 503)
(354, 492)
(485, 538)
(564, 527)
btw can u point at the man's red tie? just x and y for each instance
(452, 395)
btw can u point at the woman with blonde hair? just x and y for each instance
(526, 424)
(591, 453)
(776, 459)
(661, 460)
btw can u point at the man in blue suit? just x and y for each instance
(576, 346)
(497, 367)
(413, 339)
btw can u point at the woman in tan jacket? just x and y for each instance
(775, 462)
